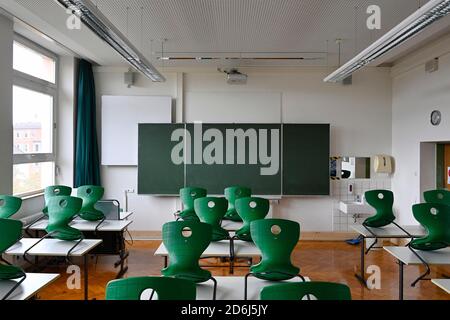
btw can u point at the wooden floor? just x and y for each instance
(321, 261)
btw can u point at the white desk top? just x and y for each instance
(444, 284)
(231, 225)
(52, 247)
(232, 288)
(222, 249)
(31, 285)
(125, 215)
(404, 254)
(390, 231)
(83, 225)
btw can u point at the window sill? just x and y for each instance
(31, 195)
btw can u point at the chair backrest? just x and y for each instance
(61, 211)
(185, 242)
(211, 209)
(10, 233)
(165, 287)
(276, 239)
(382, 201)
(9, 206)
(189, 194)
(300, 290)
(435, 218)
(236, 192)
(53, 191)
(437, 196)
(110, 208)
(250, 209)
(90, 196)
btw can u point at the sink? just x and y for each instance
(353, 207)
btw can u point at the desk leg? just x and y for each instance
(362, 267)
(86, 279)
(165, 261)
(400, 279)
(123, 256)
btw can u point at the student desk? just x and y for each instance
(29, 287)
(110, 231)
(125, 215)
(387, 232)
(56, 248)
(220, 249)
(444, 284)
(232, 288)
(404, 257)
(231, 225)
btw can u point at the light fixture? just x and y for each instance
(103, 28)
(408, 28)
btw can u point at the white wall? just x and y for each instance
(6, 132)
(415, 95)
(360, 116)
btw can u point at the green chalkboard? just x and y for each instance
(227, 170)
(306, 164)
(157, 174)
(271, 159)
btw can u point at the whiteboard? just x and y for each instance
(120, 118)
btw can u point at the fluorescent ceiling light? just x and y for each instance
(408, 28)
(102, 27)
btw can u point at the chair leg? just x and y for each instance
(15, 287)
(215, 287)
(69, 261)
(24, 256)
(424, 263)
(245, 284)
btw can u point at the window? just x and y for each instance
(34, 102)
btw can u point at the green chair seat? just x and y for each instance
(250, 209)
(185, 242)
(8, 272)
(9, 206)
(232, 194)
(382, 201)
(435, 218)
(165, 287)
(90, 196)
(441, 196)
(211, 210)
(302, 290)
(53, 191)
(188, 196)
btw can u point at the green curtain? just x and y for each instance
(87, 164)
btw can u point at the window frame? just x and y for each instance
(29, 82)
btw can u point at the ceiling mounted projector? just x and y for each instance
(429, 13)
(104, 29)
(235, 77)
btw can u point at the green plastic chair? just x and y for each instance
(232, 194)
(211, 210)
(185, 242)
(250, 209)
(300, 290)
(166, 288)
(435, 218)
(188, 196)
(382, 201)
(9, 206)
(90, 196)
(437, 196)
(61, 211)
(10, 233)
(276, 239)
(53, 191)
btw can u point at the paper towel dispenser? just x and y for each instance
(382, 164)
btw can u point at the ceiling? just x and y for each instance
(241, 29)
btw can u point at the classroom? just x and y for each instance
(225, 150)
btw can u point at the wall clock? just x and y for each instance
(436, 117)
